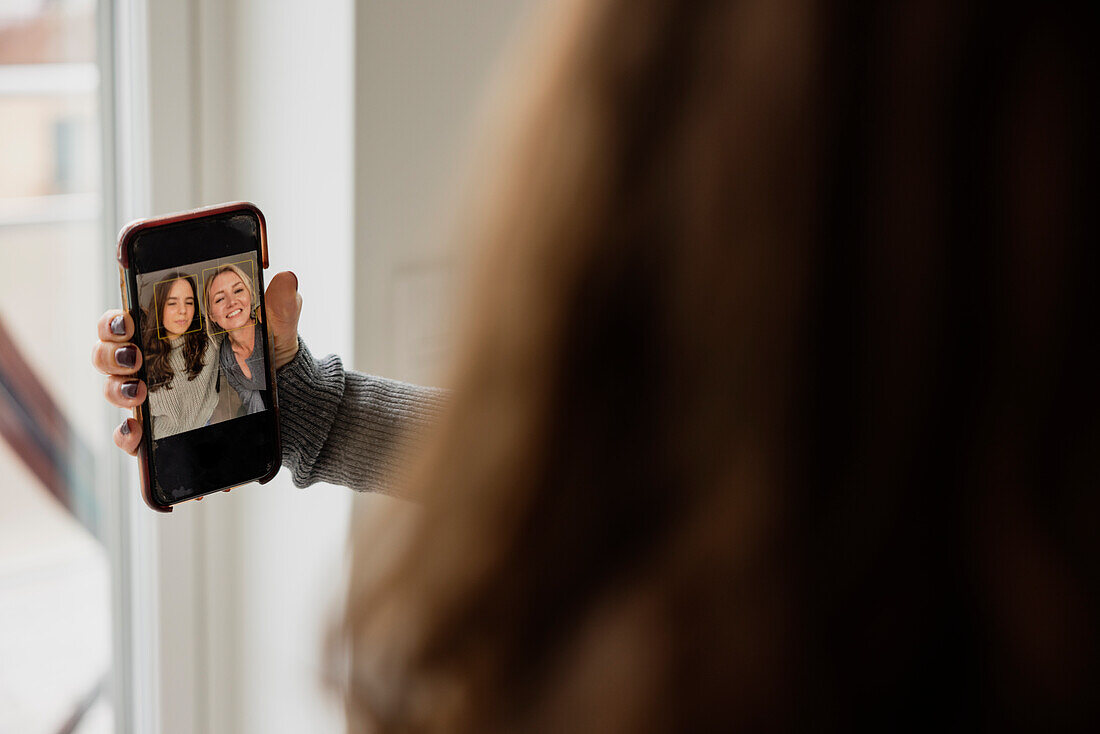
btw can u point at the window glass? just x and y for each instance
(54, 575)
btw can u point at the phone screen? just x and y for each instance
(197, 302)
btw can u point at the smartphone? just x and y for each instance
(193, 284)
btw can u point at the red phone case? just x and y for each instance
(124, 237)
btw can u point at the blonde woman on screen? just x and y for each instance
(232, 307)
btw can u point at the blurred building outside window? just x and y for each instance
(55, 646)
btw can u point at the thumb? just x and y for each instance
(284, 306)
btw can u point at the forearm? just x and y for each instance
(345, 427)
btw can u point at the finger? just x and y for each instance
(284, 307)
(283, 302)
(112, 358)
(128, 436)
(115, 326)
(125, 392)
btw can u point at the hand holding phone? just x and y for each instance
(200, 372)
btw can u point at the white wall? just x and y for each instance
(421, 75)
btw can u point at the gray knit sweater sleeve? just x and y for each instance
(345, 427)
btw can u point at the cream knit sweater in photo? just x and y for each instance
(190, 403)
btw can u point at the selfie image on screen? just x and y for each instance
(203, 344)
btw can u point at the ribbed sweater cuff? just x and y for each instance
(310, 392)
(349, 428)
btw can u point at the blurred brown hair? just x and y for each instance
(776, 405)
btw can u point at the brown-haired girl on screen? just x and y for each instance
(181, 363)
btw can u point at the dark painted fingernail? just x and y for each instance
(124, 429)
(292, 275)
(129, 389)
(126, 356)
(118, 325)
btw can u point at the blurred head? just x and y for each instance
(776, 398)
(231, 299)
